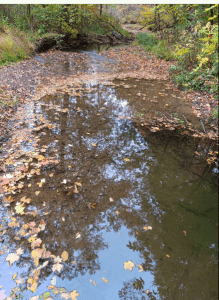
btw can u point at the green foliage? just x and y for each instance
(188, 33)
(158, 47)
(215, 113)
(14, 46)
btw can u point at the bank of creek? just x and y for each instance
(95, 206)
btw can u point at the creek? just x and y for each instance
(115, 195)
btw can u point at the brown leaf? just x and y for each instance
(64, 255)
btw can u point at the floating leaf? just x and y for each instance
(65, 295)
(184, 232)
(19, 209)
(78, 235)
(167, 255)
(57, 267)
(25, 200)
(147, 228)
(45, 295)
(126, 159)
(105, 280)
(94, 283)
(93, 144)
(129, 265)
(140, 268)
(78, 183)
(117, 212)
(57, 259)
(37, 193)
(53, 281)
(74, 294)
(111, 199)
(12, 257)
(14, 276)
(64, 255)
(147, 291)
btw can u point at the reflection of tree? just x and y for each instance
(151, 190)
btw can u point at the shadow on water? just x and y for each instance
(155, 186)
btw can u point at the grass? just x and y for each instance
(14, 45)
(160, 48)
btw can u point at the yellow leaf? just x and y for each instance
(64, 255)
(105, 280)
(129, 265)
(31, 239)
(117, 212)
(46, 213)
(37, 193)
(126, 159)
(74, 294)
(78, 183)
(147, 228)
(140, 268)
(167, 255)
(94, 283)
(14, 276)
(147, 292)
(93, 144)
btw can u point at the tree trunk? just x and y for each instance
(101, 9)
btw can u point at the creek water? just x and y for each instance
(162, 215)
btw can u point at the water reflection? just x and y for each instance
(154, 186)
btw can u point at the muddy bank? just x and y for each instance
(80, 42)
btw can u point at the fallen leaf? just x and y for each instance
(74, 294)
(126, 159)
(37, 193)
(53, 281)
(129, 265)
(57, 267)
(25, 200)
(64, 255)
(65, 295)
(147, 228)
(19, 209)
(94, 283)
(50, 175)
(78, 235)
(167, 255)
(140, 268)
(45, 295)
(117, 212)
(111, 199)
(105, 280)
(57, 259)
(78, 183)
(93, 144)
(14, 276)
(184, 232)
(12, 257)
(19, 281)
(34, 298)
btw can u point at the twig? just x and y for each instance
(185, 119)
(203, 126)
